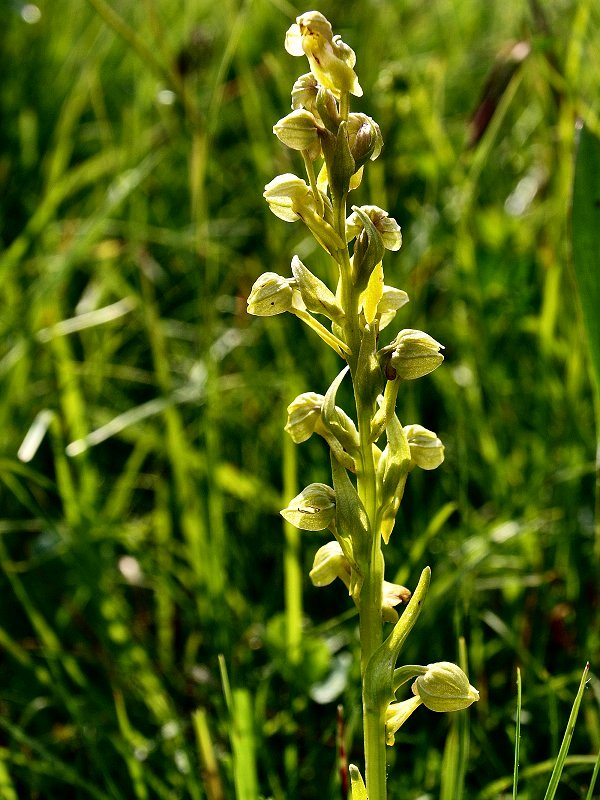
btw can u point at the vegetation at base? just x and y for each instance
(142, 461)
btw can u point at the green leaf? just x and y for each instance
(564, 748)
(586, 240)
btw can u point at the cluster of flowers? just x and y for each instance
(335, 146)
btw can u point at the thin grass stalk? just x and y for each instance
(517, 736)
(566, 742)
(206, 751)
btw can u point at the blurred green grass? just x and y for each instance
(139, 533)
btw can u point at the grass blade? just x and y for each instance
(564, 748)
(590, 794)
(586, 240)
(517, 736)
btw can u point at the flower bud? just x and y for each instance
(328, 109)
(299, 131)
(304, 92)
(330, 563)
(289, 197)
(368, 251)
(411, 355)
(331, 61)
(270, 295)
(426, 450)
(366, 141)
(303, 414)
(313, 509)
(444, 687)
(386, 225)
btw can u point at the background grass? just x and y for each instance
(142, 462)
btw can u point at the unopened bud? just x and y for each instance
(444, 687)
(304, 92)
(411, 355)
(365, 138)
(270, 295)
(313, 509)
(426, 450)
(327, 108)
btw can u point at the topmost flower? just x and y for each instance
(331, 61)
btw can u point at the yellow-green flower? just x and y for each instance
(331, 61)
(330, 563)
(289, 197)
(396, 715)
(300, 131)
(426, 449)
(444, 687)
(313, 509)
(270, 295)
(387, 226)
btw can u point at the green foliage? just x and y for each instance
(139, 534)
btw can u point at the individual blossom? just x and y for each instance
(330, 563)
(396, 715)
(331, 61)
(393, 595)
(444, 687)
(299, 130)
(313, 509)
(289, 197)
(411, 355)
(386, 225)
(391, 301)
(303, 415)
(426, 450)
(270, 295)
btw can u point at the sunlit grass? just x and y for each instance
(139, 531)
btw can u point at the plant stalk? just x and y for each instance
(372, 564)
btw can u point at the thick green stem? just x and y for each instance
(372, 566)
(371, 628)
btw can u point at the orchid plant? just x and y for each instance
(368, 474)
